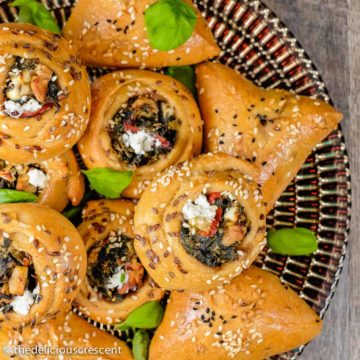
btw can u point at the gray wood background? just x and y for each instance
(329, 30)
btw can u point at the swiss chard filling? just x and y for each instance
(22, 177)
(143, 129)
(18, 281)
(214, 226)
(31, 89)
(114, 270)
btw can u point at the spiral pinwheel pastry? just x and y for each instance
(141, 121)
(54, 181)
(69, 337)
(200, 223)
(42, 264)
(116, 282)
(45, 95)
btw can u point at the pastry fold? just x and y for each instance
(200, 223)
(254, 317)
(141, 121)
(74, 336)
(116, 282)
(55, 181)
(274, 129)
(113, 34)
(45, 97)
(42, 264)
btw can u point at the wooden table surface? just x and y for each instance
(329, 30)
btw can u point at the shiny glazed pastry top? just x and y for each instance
(116, 282)
(253, 317)
(141, 121)
(45, 97)
(200, 223)
(42, 264)
(113, 33)
(54, 181)
(273, 129)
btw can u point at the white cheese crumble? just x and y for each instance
(22, 304)
(140, 141)
(118, 279)
(37, 178)
(200, 212)
(230, 214)
(15, 109)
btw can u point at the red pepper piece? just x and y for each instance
(130, 127)
(44, 108)
(214, 225)
(213, 196)
(164, 143)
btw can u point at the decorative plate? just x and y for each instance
(255, 42)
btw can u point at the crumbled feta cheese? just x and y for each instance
(15, 109)
(37, 178)
(200, 211)
(230, 214)
(118, 279)
(22, 304)
(140, 141)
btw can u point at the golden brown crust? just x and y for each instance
(274, 129)
(109, 93)
(114, 216)
(118, 43)
(158, 220)
(254, 317)
(58, 255)
(54, 132)
(65, 182)
(66, 332)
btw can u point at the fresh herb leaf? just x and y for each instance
(73, 212)
(140, 345)
(169, 23)
(14, 196)
(147, 316)
(122, 277)
(183, 74)
(108, 182)
(292, 241)
(34, 12)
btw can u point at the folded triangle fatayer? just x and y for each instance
(274, 129)
(113, 33)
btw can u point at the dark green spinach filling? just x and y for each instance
(149, 113)
(104, 260)
(209, 248)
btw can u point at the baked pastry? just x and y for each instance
(115, 283)
(45, 95)
(200, 223)
(113, 34)
(54, 181)
(42, 264)
(73, 337)
(254, 317)
(274, 129)
(141, 121)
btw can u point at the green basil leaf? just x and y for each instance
(14, 196)
(108, 182)
(73, 212)
(140, 345)
(34, 12)
(169, 23)
(185, 75)
(292, 241)
(147, 316)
